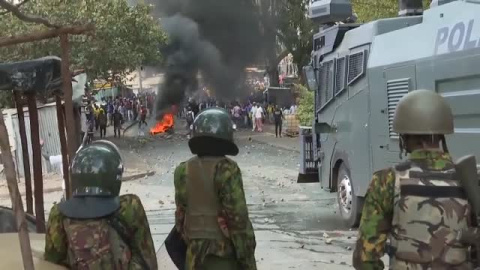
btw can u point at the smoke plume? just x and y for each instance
(219, 38)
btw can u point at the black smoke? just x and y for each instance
(219, 38)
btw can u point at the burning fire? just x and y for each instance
(163, 125)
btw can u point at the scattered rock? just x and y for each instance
(325, 235)
(303, 246)
(328, 241)
(161, 202)
(343, 263)
(349, 248)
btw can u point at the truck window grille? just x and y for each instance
(355, 66)
(396, 89)
(340, 75)
(329, 80)
(320, 85)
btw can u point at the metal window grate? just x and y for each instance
(329, 68)
(355, 66)
(318, 94)
(340, 75)
(396, 89)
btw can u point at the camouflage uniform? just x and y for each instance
(378, 218)
(419, 205)
(233, 217)
(235, 249)
(130, 212)
(96, 228)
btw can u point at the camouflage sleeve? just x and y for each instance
(132, 211)
(180, 196)
(56, 244)
(229, 185)
(376, 221)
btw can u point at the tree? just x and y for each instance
(305, 112)
(370, 10)
(268, 15)
(125, 37)
(295, 30)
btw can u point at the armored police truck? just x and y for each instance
(359, 73)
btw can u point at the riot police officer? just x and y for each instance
(212, 214)
(97, 228)
(419, 204)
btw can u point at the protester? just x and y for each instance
(259, 116)
(278, 118)
(117, 123)
(102, 120)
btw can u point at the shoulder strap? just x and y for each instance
(119, 226)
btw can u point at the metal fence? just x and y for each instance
(47, 119)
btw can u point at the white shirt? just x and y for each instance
(253, 111)
(259, 112)
(83, 120)
(236, 111)
(58, 161)
(293, 109)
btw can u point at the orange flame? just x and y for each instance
(162, 126)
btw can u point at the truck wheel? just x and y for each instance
(349, 204)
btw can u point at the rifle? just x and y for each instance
(466, 168)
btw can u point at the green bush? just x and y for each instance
(306, 106)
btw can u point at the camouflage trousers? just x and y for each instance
(218, 263)
(402, 265)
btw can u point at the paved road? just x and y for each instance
(297, 225)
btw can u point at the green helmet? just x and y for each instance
(213, 126)
(423, 112)
(96, 178)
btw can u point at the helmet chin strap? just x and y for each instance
(402, 146)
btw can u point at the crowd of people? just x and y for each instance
(116, 111)
(254, 115)
(249, 114)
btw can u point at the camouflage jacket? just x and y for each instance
(131, 212)
(376, 223)
(233, 217)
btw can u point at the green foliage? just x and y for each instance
(6, 100)
(125, 36)
(295, 30)
(370, 10)
(306, 106)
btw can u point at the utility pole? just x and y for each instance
(140, 79)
